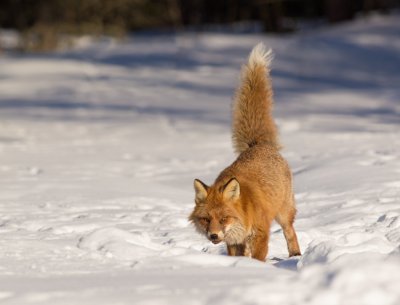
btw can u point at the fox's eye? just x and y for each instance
(223, 220)
(205, 220)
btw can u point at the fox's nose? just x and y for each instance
(214, 236)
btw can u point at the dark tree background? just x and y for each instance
(42, 21)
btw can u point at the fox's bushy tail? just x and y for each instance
(252, 118)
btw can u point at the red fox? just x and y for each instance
(257, 188)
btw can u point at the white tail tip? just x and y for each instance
(260, 56)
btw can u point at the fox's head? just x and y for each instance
(216, 214)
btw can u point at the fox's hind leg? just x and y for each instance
(285, 218)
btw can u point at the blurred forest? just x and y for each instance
(41, 22)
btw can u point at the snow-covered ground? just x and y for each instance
(99, 147)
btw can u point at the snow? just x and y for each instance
(99, 147)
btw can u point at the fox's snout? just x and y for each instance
(215, 237)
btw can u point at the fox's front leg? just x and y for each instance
(239, 250)
(235, 250)
(260, 247)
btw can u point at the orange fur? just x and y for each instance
(257, 188)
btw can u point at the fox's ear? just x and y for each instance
(231, 190)
(201, 190)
